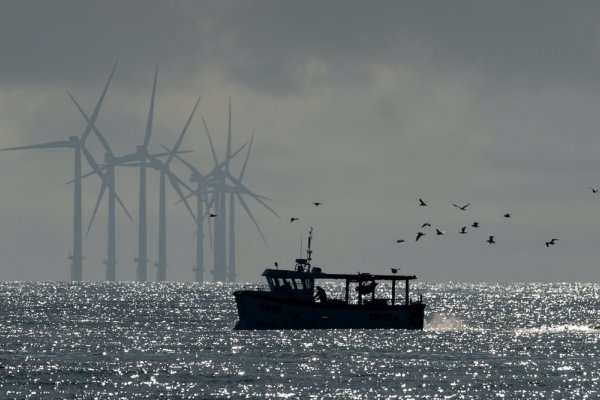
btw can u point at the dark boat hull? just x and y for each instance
(262, 310)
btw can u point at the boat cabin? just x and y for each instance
(299, 284)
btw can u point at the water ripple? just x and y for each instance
(105, 340)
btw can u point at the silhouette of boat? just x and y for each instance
(294, 302)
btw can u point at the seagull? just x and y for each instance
(475, 224)
(419, 236)
(399, 240)
(438, 232)
(394, 270)
(422, 203)
(594, 190)
(317, 203)
(293, 219)
(507, 215)
(212, 215)
(552, 242)
(463, 208)
(491, 240)
(463, 230)
(425, 224)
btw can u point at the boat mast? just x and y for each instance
(308, 250)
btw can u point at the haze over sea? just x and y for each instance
(131, 340)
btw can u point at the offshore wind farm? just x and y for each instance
(218, 190)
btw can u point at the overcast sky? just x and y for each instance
(364, 106)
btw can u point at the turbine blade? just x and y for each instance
(151, 112)
(98, 171)
(228, 152)
(247, 156)
(220, 166)
(256, 197)
(180, 138)
(102, 168)
(102, 189)
(92, 120)
(175, 185)
(187, 196)
(100, 137)
(169, 152)
(187, 164)
(243, 203)
(212, 148)
(50, 145)
(131, 157)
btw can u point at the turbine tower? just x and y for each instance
(78, 145)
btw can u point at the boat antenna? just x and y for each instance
(308, 250)
(300, 245)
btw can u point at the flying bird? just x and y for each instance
(211, 215)
(594, 190)
(293, 219)
(438, 232)
(463, 230)
(491, 240)
(394, 270)
(475, 224)
(399, 240)
(463, 208)
(507, 215)
(422, 203)
(317, 203)
(419, 234)
(425, 224)
(551, 243)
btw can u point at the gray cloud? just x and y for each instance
(265, 44)
(364, 106)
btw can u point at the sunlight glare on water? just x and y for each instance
(176, 340)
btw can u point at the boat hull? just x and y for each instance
(262, 310)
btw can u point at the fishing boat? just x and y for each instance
(292, 301)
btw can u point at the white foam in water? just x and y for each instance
(442, 322)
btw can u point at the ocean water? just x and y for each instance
(175, 340)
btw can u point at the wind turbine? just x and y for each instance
(109, 165)
(161, 272)
(78, 145)
(236, 188)
(142, 159)
(203, 183)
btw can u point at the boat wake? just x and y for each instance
(442, 322)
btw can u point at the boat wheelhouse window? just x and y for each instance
(291, 283)
(280, 283)
(307, 283)
(273, 282)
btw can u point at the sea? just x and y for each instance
(176, 340)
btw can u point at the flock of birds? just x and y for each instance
(463, 231)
